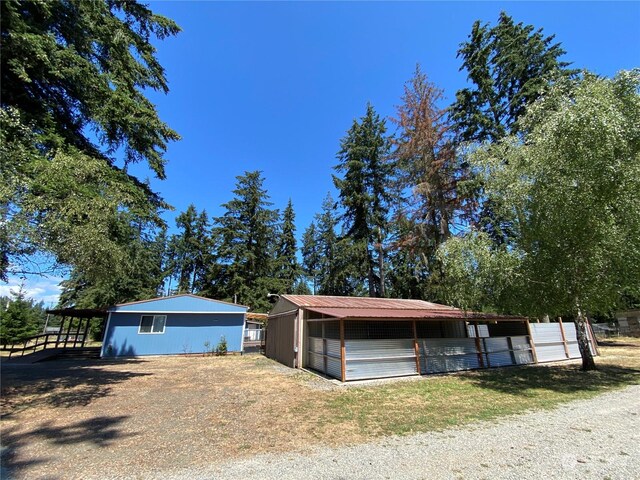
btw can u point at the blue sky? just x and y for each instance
(274, 86)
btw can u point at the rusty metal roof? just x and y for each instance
(326, 301)
(411, 314)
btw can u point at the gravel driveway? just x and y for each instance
(590, 439)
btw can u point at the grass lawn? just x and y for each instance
(111, 414)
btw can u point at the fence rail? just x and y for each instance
(46, 340)
(254, 335)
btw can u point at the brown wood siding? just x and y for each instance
(280, 339)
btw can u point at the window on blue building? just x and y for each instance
(152, 323)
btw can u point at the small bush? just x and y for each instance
(221, 349)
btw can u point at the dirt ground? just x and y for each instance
(135, 418)
(76, 419)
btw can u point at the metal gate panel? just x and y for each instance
(497, 351)
(334, 368)
(550, 353)
(523, 357)
(547, 338)
(315, 345)
(572, 340)
(358, 369)
(500, 359)
(447, 354)
(497, 344)
(379, 348)
(449, 363)
(379, 358)
(333, 348)
(522, 350)
(447, 346)
(316, 361)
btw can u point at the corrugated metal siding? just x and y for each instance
(388, 367)
(572, 341)
(316, 361)
(446, 346)
(447, 354)
(315, 345)
(449, 363)
(547, 338)
(334, 367)
(550, 353)
(498, 344)
(499, 359)
(483, 330)
(522, 350)
(455, 354)
(333, 348)
(453, 329)
(379, 348)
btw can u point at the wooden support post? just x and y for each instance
(532, 343)
(478, 344)
(564, 338)
(86, 332)
(511, 351)
(66, 337)
(77, 334)
(324, 350)
(60, 332)
(343, 355)
(416, 347)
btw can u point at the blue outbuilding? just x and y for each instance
(172, 325)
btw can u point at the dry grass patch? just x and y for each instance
(95, 416)
(437, 402)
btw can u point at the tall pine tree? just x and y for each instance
(311, 256)
(509, 66)
(365, 195)
(246, 233)
(429, 170)
(73, 116)
(286, 263)
(190, 250)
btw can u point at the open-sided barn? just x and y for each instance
(172, 325)
(361, 338)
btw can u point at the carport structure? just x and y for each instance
(352, 338)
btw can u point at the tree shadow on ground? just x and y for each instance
(525, 380)
(99, 431)
(60, 383)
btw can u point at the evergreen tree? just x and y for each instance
(429, 170)
(246, 232)
(73, 79)
(189, 250)
(286, 263)
(338, 272)
(142, 278)
(311, 256)
(20, 318)
(572, 185)
(365, 195)
(408, 266)
(509, 66)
